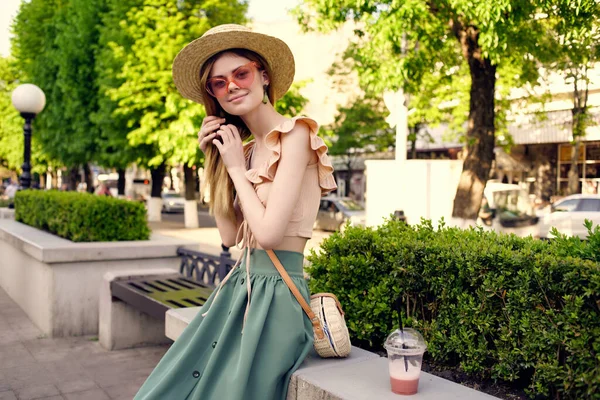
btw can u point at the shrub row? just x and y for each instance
(494, 305)
(82, 217)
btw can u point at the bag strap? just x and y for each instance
(316, 323)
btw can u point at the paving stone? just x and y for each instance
(36, 392)
(127, 390)
(8, 395)
(8, 337)
(78, 385)
(14, 355)
(94, 394)
(23, 376)
(59, 397)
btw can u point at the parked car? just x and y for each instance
(335, 211)
(569, 214)
(172, 202)
(507, 208)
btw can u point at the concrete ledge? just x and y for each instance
(49, 248)
(120, 325)
(361, 376)
(177, 319)
(57, 282)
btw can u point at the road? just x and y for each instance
(204, 219)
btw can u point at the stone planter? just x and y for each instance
(57, 282)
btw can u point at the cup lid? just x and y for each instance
(405, 342)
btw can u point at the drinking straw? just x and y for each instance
(399, 310)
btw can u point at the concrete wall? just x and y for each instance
(422, 188)
(57, 282)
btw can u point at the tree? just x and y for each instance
(575, 33)
(162, 124)
(113, 45)
(359, 128)
(398, 44)
(11, 123)
(54, 45)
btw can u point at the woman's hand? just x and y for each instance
(231, 150)
(208, 131)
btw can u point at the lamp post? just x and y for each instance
(29, 100)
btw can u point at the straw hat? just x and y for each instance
(189, 61)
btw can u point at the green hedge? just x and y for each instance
(82, 217)
(496, 306)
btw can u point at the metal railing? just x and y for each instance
(205, 268)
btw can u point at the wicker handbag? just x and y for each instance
(326, 315)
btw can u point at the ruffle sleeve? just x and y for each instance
(267, 171)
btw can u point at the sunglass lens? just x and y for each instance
(243, 77)
(217, 87)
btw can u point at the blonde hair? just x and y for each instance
(221, 185)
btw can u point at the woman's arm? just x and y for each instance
(268, 224)
(227, 228)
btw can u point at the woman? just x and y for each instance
(251, 334)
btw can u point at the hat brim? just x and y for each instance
(189, 61)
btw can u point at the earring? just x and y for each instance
(266, 95)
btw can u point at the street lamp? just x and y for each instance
(29, 100)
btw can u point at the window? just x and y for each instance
(567, 205)
(351, 205)
(589, 205)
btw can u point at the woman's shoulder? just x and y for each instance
(273, 143)
(291, 123)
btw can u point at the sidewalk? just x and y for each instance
(74, 368)
(33, 366)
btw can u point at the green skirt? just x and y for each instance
(213, 360)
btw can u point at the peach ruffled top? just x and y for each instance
(318, 179)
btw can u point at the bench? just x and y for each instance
(133, 303)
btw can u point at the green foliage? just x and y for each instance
(292, 103)
(82, 217)
(361, 128)
(54, 46)
(113, 46)
(156, 114)
(499, 306)
(414, 45)
(11, 123)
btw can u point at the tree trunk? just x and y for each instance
(89, 179)
(121, 182)
(54, 179)
(190, 182)
(479, 150)
(573, 176)
(191, 207)
(158, 176)
(580, 98)
(73, 178)
(348, 177)
(171, 180)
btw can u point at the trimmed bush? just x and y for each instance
(496, 306)
(82, 217)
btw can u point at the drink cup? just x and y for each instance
(405, 354)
